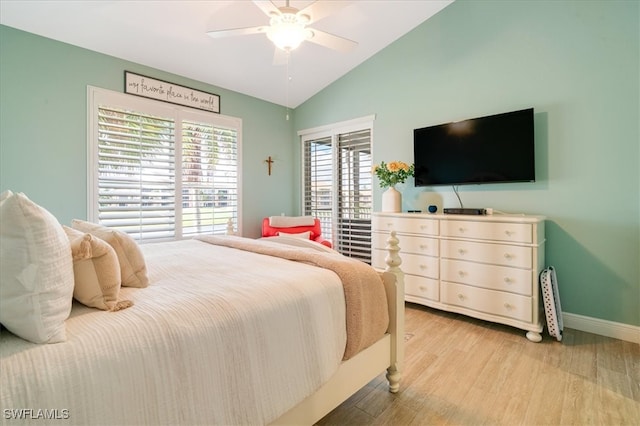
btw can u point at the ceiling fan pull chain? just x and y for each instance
(287, 82)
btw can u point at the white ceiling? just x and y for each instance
(171, 36)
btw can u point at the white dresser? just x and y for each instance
(486, 267)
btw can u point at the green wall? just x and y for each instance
(43, 127)
(577, 64)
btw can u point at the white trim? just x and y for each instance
(339, 127)
(617, 330)
(95, 95)
(92, 170)
(332, 132)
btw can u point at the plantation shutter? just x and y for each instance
(354, 195)
(209, 178)
(337, 185)
(318, 183)
(136, 173)
(159, 171)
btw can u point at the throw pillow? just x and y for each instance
(36, 271)
(133, 269)
(304, 235)
(96, 271)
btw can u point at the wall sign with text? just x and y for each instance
(140, 85)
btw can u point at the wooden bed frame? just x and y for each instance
(351, 375)
(356, 372)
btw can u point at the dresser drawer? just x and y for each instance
(488, 301)
(425, 266)
(498, 254)
(514, 280)
(505, 231)
(408, 244)
(484, 267)
(425, 288)
(411, 225)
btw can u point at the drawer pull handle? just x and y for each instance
(508, 280)
(462, 273)
(461, 296)
(462, 230)
(508, 256)
(422, 288)
(423, 267)
(463, 251)
(509, 233)
(423, 247)
(508, 306)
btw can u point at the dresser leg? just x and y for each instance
(534, 337)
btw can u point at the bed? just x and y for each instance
(228, 331)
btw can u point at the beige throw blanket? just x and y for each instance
(210, 341)
(365, 297)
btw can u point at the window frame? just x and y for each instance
(97, 96)
(332, 132)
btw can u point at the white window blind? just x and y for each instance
(354, 194)
(136, 173)
(337, 187)
(319, 183)
(209, 177)
(161, 172)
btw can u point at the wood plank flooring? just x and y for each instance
(463, 371)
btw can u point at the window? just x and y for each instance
(354, 194)
(337, 186)
(160, 171)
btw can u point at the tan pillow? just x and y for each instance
(133, 269)
(96, 272)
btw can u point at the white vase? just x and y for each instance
(392, 200)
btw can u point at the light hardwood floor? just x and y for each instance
(463, 371)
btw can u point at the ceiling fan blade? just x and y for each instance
(236, 32)
(332, 41)
(267, 7)
(321, 9)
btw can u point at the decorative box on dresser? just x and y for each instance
(485, 266)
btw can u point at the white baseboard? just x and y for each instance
(629, 333)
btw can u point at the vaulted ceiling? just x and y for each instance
(172, 36)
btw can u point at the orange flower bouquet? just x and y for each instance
(393, 172)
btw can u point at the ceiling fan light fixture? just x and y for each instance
(287, 31)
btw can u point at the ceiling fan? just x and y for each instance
(288, 26)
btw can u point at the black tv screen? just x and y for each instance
(493, 149)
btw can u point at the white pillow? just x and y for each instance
(304, 235)
(36, 271)
(6, 194)
(291, 221)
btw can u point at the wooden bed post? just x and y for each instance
(356, 372)
(396, 313)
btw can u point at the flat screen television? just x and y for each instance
(493, 149)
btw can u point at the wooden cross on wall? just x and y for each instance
(269, 162)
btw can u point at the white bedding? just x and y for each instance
(161, 377)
